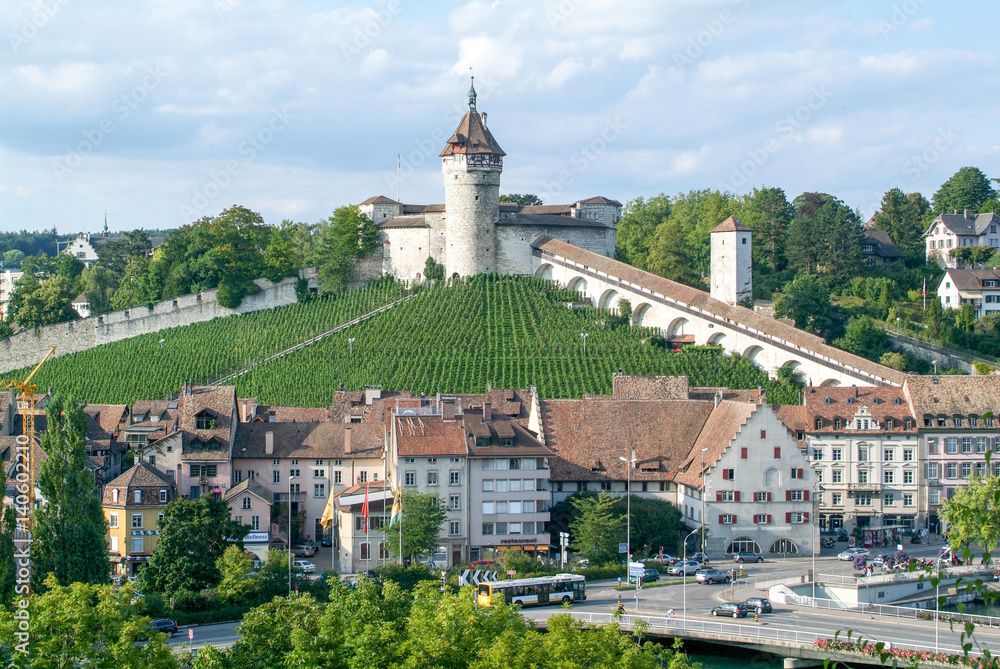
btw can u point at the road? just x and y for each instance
(656, 601)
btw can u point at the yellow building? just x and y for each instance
(133, 505)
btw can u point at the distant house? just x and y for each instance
(879, 251)
(250, 503)
(81, 305)
(81, 249)
(978, 287)
(133, 506)
(951, 231)
(7, 281)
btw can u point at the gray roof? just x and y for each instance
(250, 486)
(549, 221)
(964, 223)
(881, 244)
(970, 279)
(404, 222)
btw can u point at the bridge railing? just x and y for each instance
(892, 611)
(735, 631)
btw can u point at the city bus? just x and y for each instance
(540, 591)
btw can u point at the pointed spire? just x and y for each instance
(472, 93)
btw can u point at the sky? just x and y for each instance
(156, 113)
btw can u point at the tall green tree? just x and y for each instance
(806, 300)
(194, 534)
(693, 215)
(99, 285)
(824, 237)
(769, 213)
(901, 217)
(87, 625)
(116, 254)
(433, 270)
(865, 337)
(597, 530)
(973, 514)
(13, 258)
(353, 231)
(967, 188)
(70, 528)
(655, 523)
(421, 521)
(668, 255)
(136, 285)
(8, 575)
(637, 227)
(523, 199)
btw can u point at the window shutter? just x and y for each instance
(743, 452)
(788, 516)
(802, 474)
(718, 495)
(805, 517)
(768, 519)
(788, 495)
(721, 521)
(768, 497)
(725, 474)
(777, 452)
(734, 519)
(737, 496)
(805, 495)
(763, 434)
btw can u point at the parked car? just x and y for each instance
(879, 561)
(758, 604)
(700, 557)
(326, 542)
(711, 576)
(303, 550)
(306, 566)
(648, 575)
(852, 553)
(165, 625)
(480, 564)
(747, 557)
(734, 609)
(685, 567)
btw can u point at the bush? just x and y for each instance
(406, 577)
(217, 614)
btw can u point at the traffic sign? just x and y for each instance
(636, 569)
(623, 548)
(190, 633)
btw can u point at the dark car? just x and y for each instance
(165, 625)
(734, 609)
(326, 542)
(747, 557)
(648, 575)
(758, 604)
(700, 557)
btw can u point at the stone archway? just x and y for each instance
(641, 313)
(830, 383)
(751, 354)
(544, 271)
(676, 328)
(609, 299)
(718, 339)
(579, 284)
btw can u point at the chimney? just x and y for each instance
(347, 439)
(966, 213)
(484, 119)
(448, 408)
(269, 443)
(487, 411)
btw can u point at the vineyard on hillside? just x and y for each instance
(145, 367)
(513, 332)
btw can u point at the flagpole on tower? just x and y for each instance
(397, 177)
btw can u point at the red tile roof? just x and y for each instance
(427, 435)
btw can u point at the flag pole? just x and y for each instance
(397, 177)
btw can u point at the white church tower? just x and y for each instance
(732, 264)
(472, 163)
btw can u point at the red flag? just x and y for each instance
(364, 508)
(924, 292)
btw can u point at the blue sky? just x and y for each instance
(160, 112)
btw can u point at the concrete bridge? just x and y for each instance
(688, 315)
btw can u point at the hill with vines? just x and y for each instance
(505, 331)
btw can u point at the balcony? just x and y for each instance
(864, 487)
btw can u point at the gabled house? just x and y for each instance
(250, 504)
(978, 287)
(206, 421)
(951, 231)
(879, 251)
(363, 540)
(133, 506)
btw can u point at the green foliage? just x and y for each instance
(115, 254)
(901, 216)
(973, 514)
(637, 227)
(433, 270)
(880, 290)
(975, 256)
(596, 531)
(239, 583)
(865, 337)
(8, 574)
(422, 517)
(983, 369)
(769, 213)
(968, 188)
(824, 237)
(99, 285)
(70, 528)
(36, 302)
(194, 535)
(267, 632)
(525, 200)
(806, 300)
(405, 576)
(680, 248)
(86, 625)
(13, 258)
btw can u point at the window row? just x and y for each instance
(966, 445)
(504, 464)
(410, 478)
(502, 529)
(513, 485)
(254, 522)
(735, 495)
(955, 470)
(864, 453)
(526, 506)
(793, 517)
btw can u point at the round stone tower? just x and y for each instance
(471, 162)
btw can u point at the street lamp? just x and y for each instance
(704, 492)
(684, 572)
(290, 477)
(350, 344)
(584, 335)
(628, 507)
(817, 489)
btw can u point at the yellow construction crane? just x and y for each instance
(27, 390)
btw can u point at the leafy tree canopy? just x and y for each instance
(596, 531)
(973, 514)
(525, 200)
(806, 300)
(865, 337)
(421, 521)
(967, 188)
(13, 258)
(901, 216)
(637, 227)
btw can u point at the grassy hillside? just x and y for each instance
(511, 331)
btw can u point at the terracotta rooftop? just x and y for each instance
(250, 486)
(472, 137)
(628, 387)
(731, 224)
(722, 426)
(952, 396)
(144, 477)
(702, 300)
(308, 440)
(828, 404)
(218, 403)
(427, 435)
(523, 442)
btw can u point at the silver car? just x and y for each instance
(685, 567)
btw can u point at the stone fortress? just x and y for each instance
(473, 232)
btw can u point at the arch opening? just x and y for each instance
(830, 383)
(784, 547)
(641, 313)
(718, 339)
(609, 299)
(743, 545)
(676, 328)
(579, 284)
(752, 353)
(544, 271)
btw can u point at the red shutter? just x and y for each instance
(768, 519)
(763, 434)
(777, 452)
(721, 522)
(737, 495)
(805, 517)
(734, 519)
(768, 497)
(788, 495)
(743, 453)
(802, 474)
(788, 516)
(805, 495)
(718, 495)
(725, 474)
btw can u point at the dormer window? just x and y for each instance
(205, 420)
(850, 400)
(908, 423)
(506, 441)
(482, 442)
(874, 401)
(837, 423)
(889, 423)
(138, 497)
(896, 401)
(819, 423)
(827, 400)
(114, 495)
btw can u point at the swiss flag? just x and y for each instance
(364, 508)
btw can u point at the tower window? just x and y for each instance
(744, 240)
(477, 197)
